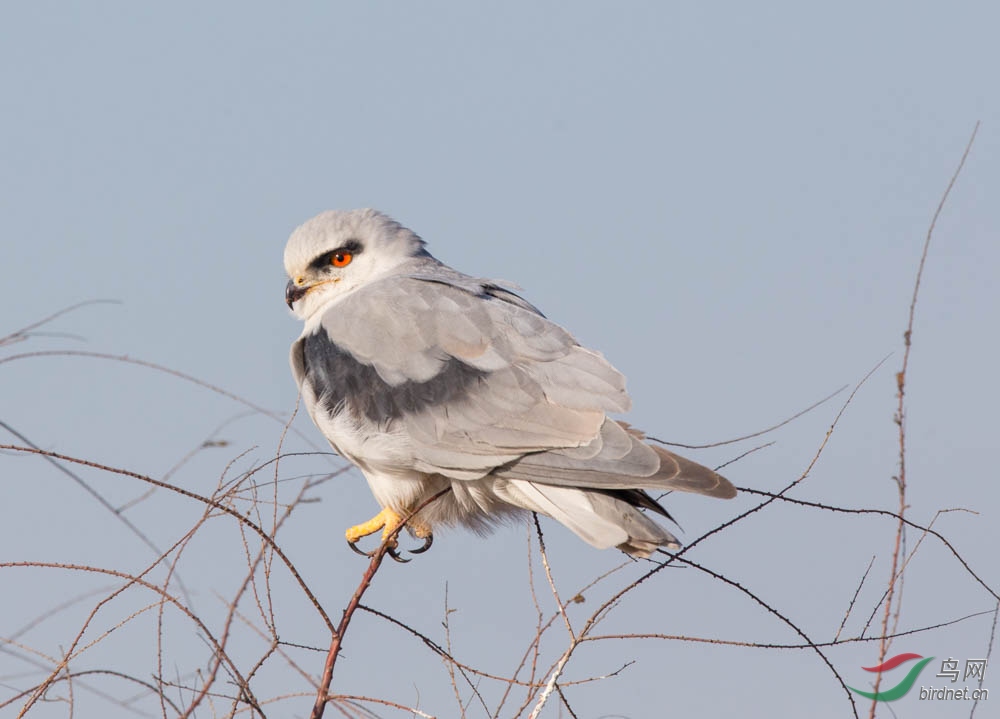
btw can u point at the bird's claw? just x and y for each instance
(393, 551)
(354, 548)
(428, 541)
(390, 522)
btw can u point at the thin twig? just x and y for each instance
(561, 606)
(780, 424)
(25, 332)
(385, 702)
(88, 489)
(900, 417)
(159, 368)
(850, 606)
(884, 513)
(322, 696)
(190, 495)
(446, 622)
(989, 654)
(566, 702)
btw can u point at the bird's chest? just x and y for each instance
(372, 446)
(357, 411)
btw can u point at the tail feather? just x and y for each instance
(597, 490)
(598, 518)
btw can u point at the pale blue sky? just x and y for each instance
(727, 200)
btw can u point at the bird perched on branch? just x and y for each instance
(428, 379)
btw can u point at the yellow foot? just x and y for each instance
(388, 520)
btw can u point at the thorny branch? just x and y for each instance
(900, 419)
(366, 580)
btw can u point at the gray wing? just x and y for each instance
(472, 379)
(478, 381)
(618, 458)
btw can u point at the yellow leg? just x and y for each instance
(386, 520)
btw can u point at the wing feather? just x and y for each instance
(473, 378)
(600, 520)
(615, 467)
(479, 382)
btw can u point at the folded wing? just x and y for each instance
(478, 382)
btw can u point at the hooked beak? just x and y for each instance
(294, 292)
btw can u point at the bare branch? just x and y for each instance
(758, 433)
(900, 418)
(338, 634)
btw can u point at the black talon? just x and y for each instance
(428, 541)
(354, 548)
(394, 553)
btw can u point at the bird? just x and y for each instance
(434, 382)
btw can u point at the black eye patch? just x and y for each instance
(351, 246)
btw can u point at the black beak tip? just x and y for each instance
(292, 293)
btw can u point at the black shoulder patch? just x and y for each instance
(341, 381)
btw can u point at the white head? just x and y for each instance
(338, 251)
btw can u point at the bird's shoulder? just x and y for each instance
(471, 374)
(408, 325)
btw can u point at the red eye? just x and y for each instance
(341, 258)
